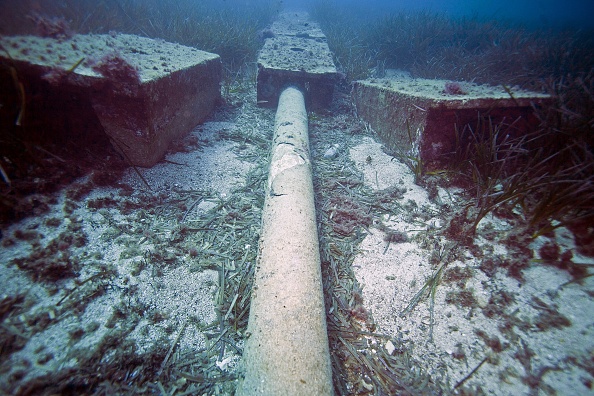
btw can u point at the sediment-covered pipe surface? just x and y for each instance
(286, 352)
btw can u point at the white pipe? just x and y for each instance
(286, 351)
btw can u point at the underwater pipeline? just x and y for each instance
(287, 350)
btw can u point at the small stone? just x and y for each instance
(224, 363)
(367, 386)
(390, 348)
(332, 152)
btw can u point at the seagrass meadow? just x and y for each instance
(471, 279)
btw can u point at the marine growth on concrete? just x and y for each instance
(296, 53)
(423, 118)
(144, 92)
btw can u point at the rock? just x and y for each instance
(390, 348)
(332, 152)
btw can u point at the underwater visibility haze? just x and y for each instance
(469, 272)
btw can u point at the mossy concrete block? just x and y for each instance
(420, 117)
(144, 92)
(297, 24)
(297, 54)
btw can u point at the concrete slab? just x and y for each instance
(419, 117)
(296, 24)
(144, 92)
(296, 54)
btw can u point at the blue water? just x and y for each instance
(530, 13)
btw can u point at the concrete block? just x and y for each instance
(144, 92)
(296, 54)
(296, 24)
(419, 117)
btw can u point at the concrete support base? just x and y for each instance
(296, 53)
(144, 92)
(420, 117)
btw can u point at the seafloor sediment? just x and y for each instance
(115, 287)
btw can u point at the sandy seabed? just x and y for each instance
(143, 286)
